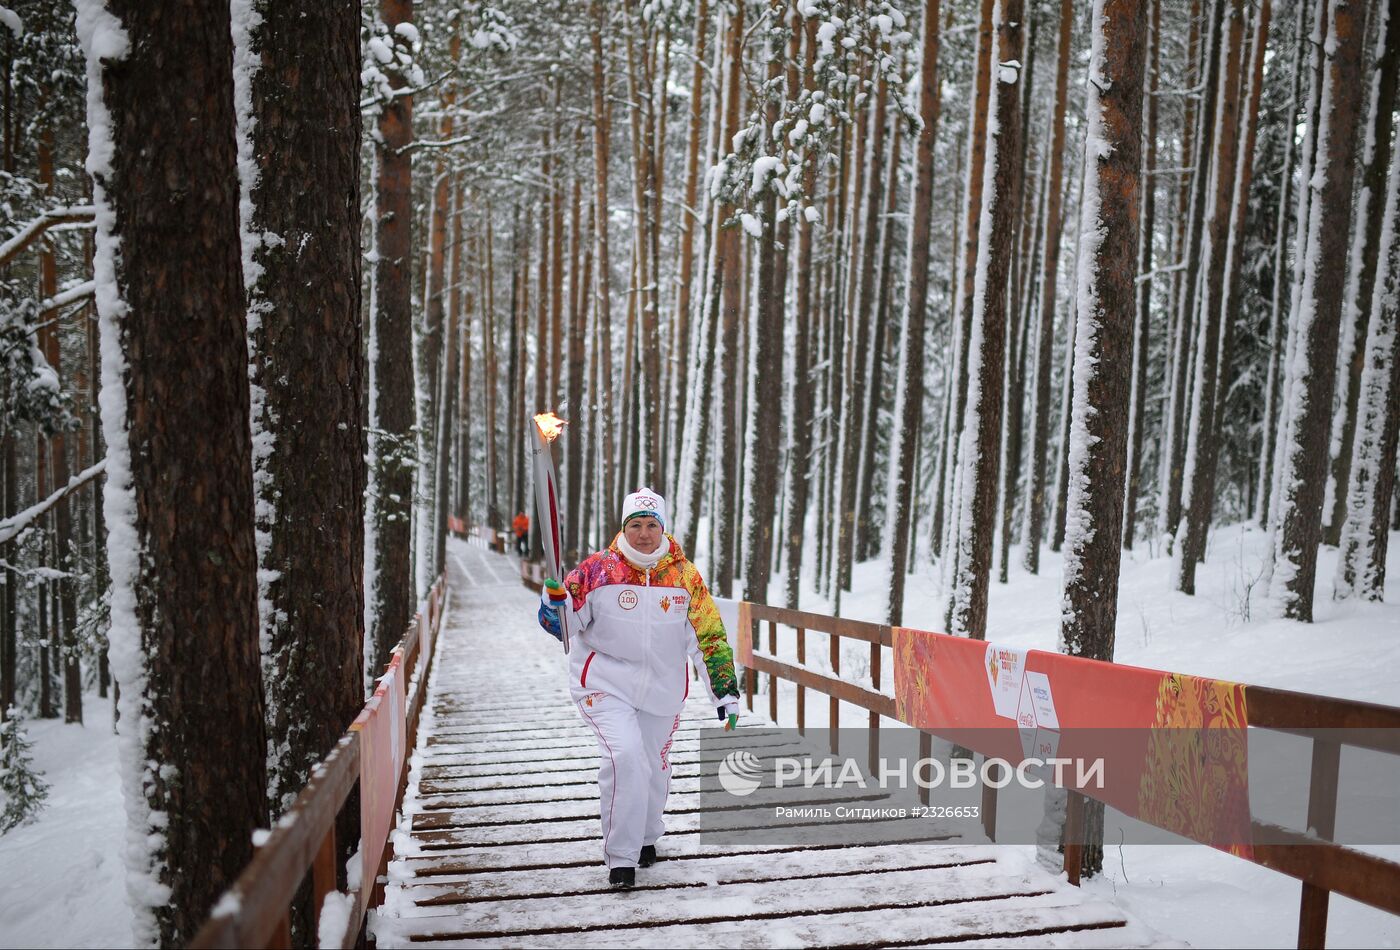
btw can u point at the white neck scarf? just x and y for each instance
(645, 561)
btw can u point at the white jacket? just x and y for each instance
(635, 630)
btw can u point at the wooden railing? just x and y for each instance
(256, 910)
(487, 537)
(1322, 866)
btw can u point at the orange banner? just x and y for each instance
(1177, 743)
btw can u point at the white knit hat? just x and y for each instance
(644, 501)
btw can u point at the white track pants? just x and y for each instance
(634, 774)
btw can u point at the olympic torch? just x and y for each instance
(547, 507)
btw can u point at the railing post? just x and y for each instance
(989, 801)
(1074, 835)
(751, 677)
(772, 677)
(1322, 820)
(925, 751)
(801, 690)
(874, 716)
(834, 710)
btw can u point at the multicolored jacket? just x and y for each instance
(638, 627)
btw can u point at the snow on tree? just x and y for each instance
(175, 400)
(979, 449)
(909, 391)
(1317, 317)
(390, 74)
(1365, 535)
(1105, 306)
(299, 136)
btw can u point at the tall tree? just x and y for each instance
(1382, 68)
(1312, 368)
(1034, 531)
(1105, 310)
(763, 432)
(729, 269)
(966, 255)
(909, 394)
(1278, 333)
(1143, 333)
(175, 399)
(1361, 567)
(389, 537)
(689, 217)
(979, 448)
(597, 26)
(299, 163)
(1201, 444)
(1187, 313)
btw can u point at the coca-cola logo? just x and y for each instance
(627, 600)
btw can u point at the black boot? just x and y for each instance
(648, 857)
(622, 878)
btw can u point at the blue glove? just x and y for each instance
(549, 620)
(551, 600)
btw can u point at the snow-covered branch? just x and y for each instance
(26, 235)
(10, 528)
(72, 295)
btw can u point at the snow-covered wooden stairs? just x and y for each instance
(499, 841)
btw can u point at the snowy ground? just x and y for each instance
(71, 891)
(61, 878)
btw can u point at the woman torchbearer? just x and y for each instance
(639, 610)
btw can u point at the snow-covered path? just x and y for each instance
(498, 844)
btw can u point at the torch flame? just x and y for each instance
(549, 425)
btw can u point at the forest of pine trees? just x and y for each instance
(922, 282)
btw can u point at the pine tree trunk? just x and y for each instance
(428, 337)
(1368, 217)
(858, 379)
(390, 585)
(1106, 292)
(1277, 332)
(1361, 567)
(598, 15)
(1143, 334)
(963, 299)
(1034, 531)
(183, 585)
(866, 527)
(309, 368)
(64, 634)
(489, 382)
(1318, 316)
(764, 416)
(689, 218)
(577, 336)
(9, 602)
(1232, 306)
(1202, 447)
(909, 395)
(1186, 343)
(979, 454)
(465, 412)
(729, 266)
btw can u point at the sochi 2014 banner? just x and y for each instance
(1173, 746)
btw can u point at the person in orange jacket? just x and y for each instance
(521, 527)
